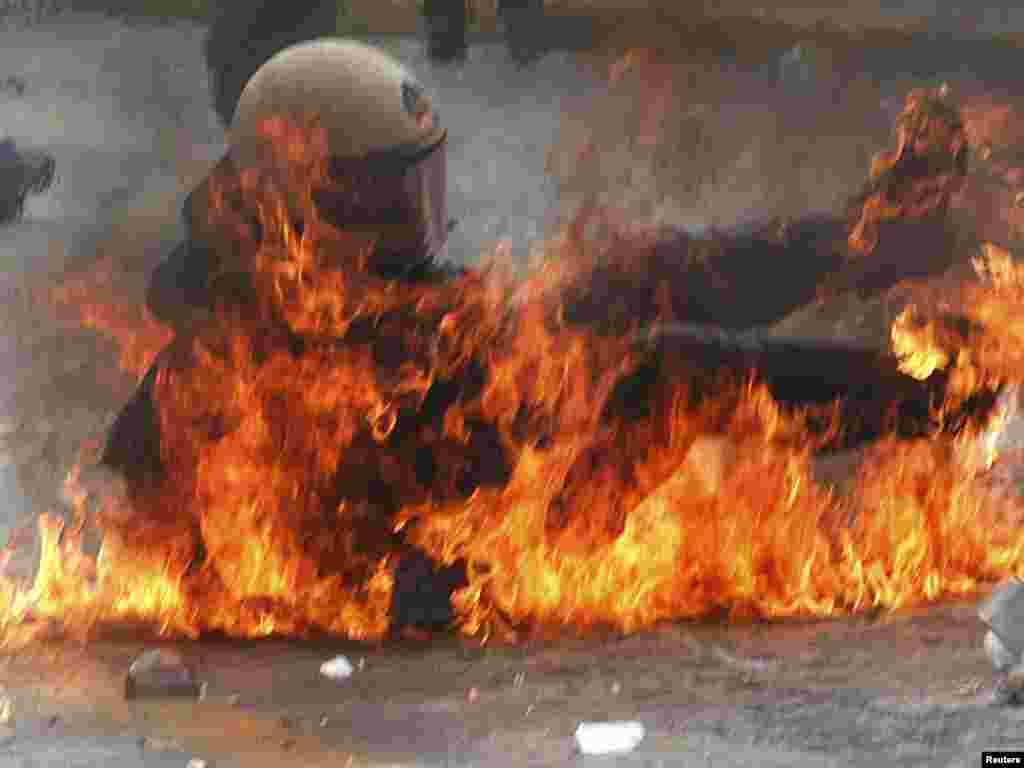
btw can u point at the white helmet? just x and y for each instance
(365, 100)
(383, 139)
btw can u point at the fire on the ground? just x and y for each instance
(311, 437)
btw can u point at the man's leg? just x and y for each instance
(522, 22)
(446, 22)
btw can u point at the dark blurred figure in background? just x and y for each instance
(522, 24)
(245, 33)
(447, 23)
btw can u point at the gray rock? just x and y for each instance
(1003, 613)
(161, 673)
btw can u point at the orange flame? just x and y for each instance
(139, 336)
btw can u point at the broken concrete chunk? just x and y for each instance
(160, 673)
(611, 738)
(1003, 613)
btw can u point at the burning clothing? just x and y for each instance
(400, 210)
(905, 205)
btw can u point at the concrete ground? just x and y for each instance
(123, 107)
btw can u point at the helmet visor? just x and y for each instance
(396, 198)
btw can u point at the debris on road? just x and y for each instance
(158, 744)
(747, 665)
(160, 673)
(196, 762)
(338, 668)
(609, 738)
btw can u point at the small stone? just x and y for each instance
(338, 668)
(233, 699)
(160, 673)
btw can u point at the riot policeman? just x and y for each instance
(385, 144)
